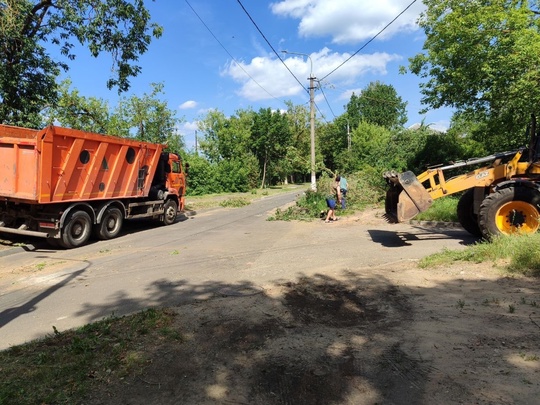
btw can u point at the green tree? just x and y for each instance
(378, 104)
(481, 57)
(148, 119)
(211, 126)
(75, 111)
(270, 139)
(298, 155)
(226, 146)
(121, 28)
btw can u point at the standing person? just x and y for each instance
(332, 200)
(343, 188)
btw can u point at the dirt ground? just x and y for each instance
(395, 334)
(463, 334)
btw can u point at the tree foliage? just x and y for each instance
(481, 57)
(377, 104)
(271, 137)
(145, 117)
(121, 28)
(75, 111)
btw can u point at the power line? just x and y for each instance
(371, 40)
(270, 45)
(232, 57)
(326, 99)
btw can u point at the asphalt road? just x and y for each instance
(216, 252)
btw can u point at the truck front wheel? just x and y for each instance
(170, 212)
(77, 229)
(510, 210)
(111, 224)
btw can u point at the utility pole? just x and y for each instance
(312, 124)
(348, 136)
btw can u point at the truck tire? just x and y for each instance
(77, 230)
(510, 210)
(170, 212)
(110, 224)
(465, 213)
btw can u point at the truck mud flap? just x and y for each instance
(406, 198)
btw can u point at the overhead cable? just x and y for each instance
(232, 57)
(270, 45)
(371, 40)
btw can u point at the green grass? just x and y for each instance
(518, 254)
(238, 199)
(235, 202)
(443, 210)
(61, 368)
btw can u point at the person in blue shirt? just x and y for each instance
(343, 188)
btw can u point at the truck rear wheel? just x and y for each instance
(170, 212)
(111, 224)
(77, 230)
(465, 213)
(510, 210)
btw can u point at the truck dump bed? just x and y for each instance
(63, 165)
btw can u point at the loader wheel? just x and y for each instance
(510, 210)
(111, 224)
(465, 213)
(171, 210)
(77, 230)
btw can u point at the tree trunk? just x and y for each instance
(264, 170)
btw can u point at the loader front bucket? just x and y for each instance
(406, 197)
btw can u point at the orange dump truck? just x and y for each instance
(67, 185)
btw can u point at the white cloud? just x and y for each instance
(190, 126)
(188, 105)
(349, 21)
(269, 78)
(346, 95)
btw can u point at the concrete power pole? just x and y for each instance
(312, 123)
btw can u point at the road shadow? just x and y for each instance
(404, 238)
(348, 338)
(10, 314)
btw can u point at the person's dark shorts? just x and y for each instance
(331, 203)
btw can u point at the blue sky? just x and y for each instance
(229, 60)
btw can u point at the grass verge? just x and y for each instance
(62, 368)
(518, 254)
(207, 201)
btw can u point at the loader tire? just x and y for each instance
(465, 213)
(510, 210)
(77, 230)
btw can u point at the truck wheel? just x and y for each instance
(170, 212)
(465, 213)
(77, 230)
(111, 224)
(510, 210)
